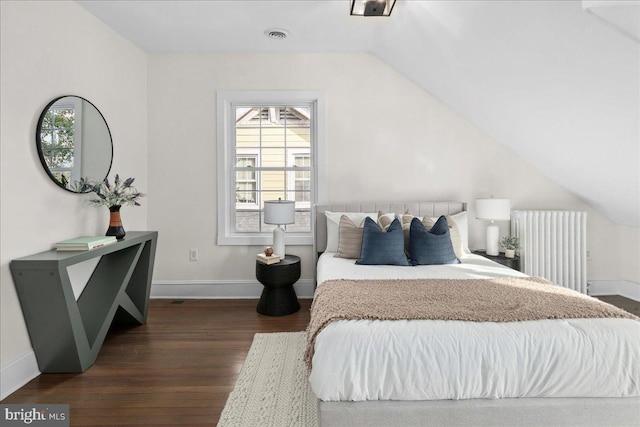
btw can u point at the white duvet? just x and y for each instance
(432, 360)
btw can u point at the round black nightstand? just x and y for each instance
(513, 263)
(278, 296)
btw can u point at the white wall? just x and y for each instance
(386, 139)
(49, 49)
(627, 253)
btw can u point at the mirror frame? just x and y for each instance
(39, 140)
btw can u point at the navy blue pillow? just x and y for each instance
(381, 247)
(431, 247)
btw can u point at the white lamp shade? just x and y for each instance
(493, 209)
(279, 212)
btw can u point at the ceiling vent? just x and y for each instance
(276, 33)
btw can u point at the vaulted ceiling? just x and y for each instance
(557, 82)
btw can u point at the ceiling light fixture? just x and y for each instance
(372, 7)
(276, 33)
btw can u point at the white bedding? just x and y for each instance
(430, 360)
(472, 267)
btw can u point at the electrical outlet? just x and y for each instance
(194, 255)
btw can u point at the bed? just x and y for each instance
(392, 372)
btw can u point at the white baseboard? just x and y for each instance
(625, 288)
(17, 373)
(221, 289)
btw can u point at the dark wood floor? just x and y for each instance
(178, 369)
(630, 305)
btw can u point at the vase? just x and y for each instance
(509, 253)
(115, 223)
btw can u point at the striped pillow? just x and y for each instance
(349, 238)
(385, 219)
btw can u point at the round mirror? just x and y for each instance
(73, 142)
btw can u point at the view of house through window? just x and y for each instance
(273, 160)
(58, 128)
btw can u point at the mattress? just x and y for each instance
(358, 360)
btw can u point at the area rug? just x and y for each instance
(272, 389)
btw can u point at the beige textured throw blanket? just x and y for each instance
(506, 299)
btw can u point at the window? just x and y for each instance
(268, 150)
(300, 179)
(246, 182)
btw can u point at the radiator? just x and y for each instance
(554, 246)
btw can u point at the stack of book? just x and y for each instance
(85, 243)
(271, 259)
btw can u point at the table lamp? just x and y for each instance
(279, 212)
(493, 210)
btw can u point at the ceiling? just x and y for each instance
(557, 82)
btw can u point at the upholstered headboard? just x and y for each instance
(416, 208)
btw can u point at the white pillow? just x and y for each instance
(462, 222)
(333, 225)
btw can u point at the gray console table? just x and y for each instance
(66, 334)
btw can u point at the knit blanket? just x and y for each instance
(506, 299)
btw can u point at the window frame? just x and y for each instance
(226, 103)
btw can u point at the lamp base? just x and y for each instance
(493, 233)
(278, 242)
